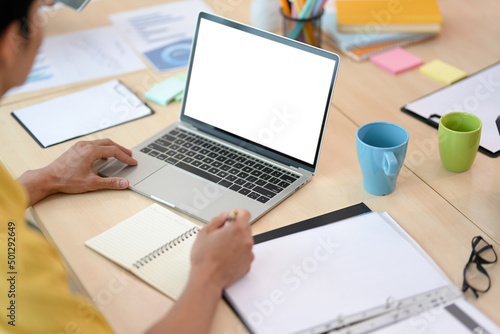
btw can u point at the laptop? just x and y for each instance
(251, 124)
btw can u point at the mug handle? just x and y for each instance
(390, 164)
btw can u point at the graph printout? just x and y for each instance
(162, 34)
(80, 56)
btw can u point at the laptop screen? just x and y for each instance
(258, 87)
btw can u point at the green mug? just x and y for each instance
(459, 135)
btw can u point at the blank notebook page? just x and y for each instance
(149, 244)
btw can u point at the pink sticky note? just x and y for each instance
(396, 60)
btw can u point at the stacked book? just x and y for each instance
(362, 28)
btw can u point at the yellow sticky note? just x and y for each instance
(442, 71)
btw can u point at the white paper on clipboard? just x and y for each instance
(81, 113)
(478, 94)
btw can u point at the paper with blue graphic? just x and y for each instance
(162, 34)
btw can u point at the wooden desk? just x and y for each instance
(365, 93)
(420, 208)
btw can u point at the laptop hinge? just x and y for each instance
(302, 170)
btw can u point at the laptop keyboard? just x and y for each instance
(220, 164)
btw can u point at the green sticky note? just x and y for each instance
(178, 97)
(181, 76)
(167, 90)
(442, 71)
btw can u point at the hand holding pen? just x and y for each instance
(233, 214)
(222, 251)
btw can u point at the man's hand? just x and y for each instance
(222, 252)
(72, 172)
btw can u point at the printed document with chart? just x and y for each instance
(80, 56)
(162, 34)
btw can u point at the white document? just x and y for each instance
(478, 94)
(162, 34)
(302, 281)
(81, 113)
(80, 56)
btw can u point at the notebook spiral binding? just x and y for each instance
(166, 247)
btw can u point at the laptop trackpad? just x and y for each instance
(187, 192)
(195, 196)
(146, 166)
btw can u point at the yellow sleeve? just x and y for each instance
(35, 295)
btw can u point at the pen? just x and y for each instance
(232, 216)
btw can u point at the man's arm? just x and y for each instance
(72, 172)
(221, 255)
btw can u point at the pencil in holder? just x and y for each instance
(306, 30)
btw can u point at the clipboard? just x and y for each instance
(295, 228)
(256, 298)
(81, 113)
(477, 94)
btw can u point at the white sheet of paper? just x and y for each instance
(164, 33)
(81, 113)
(478, 94)
(307, 279)
(80, 56)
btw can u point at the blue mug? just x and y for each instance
(381, 148)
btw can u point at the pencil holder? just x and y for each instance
(306, 30)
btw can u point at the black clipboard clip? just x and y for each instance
(433, 120)
(498, 124)
(129, 97)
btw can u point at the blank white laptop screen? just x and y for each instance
(263, 91)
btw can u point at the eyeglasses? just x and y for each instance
(475, 277)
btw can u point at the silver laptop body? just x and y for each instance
(254, 111)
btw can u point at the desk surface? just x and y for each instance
(441, 210)
(366, 93)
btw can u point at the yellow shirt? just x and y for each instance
(34, 292)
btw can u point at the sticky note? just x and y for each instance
(178, 97)
(167, 90)
(442, 71)
(396, 60)
(182, 76)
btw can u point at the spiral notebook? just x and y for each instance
(154, 244)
